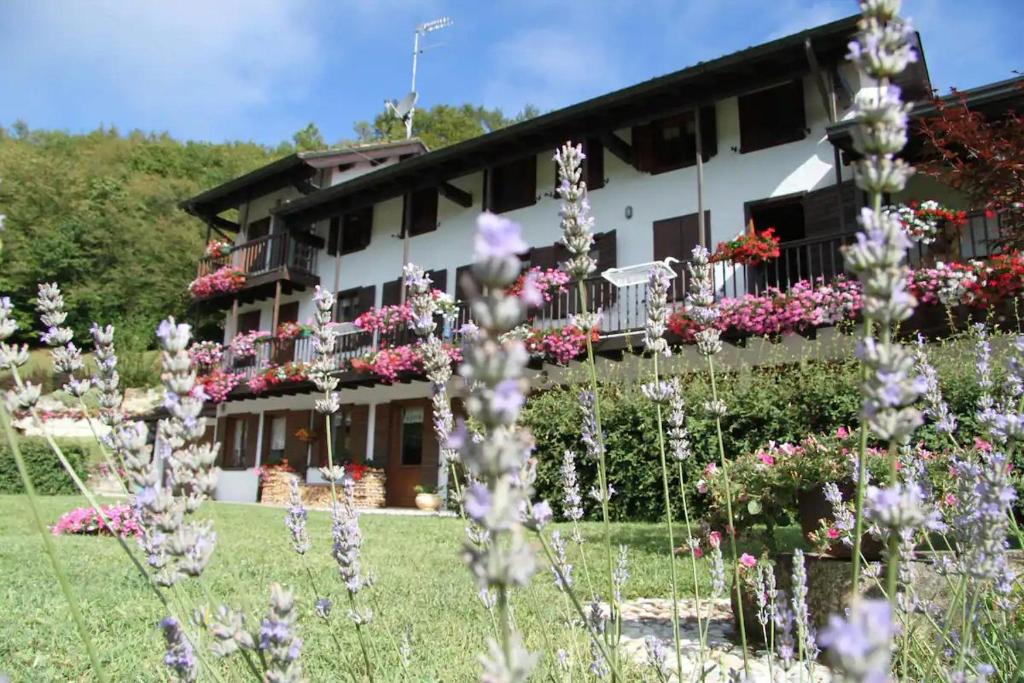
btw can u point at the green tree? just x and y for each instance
(309, 139)
(441, 125)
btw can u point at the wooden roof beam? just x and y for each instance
(454, 194)
(619, 147)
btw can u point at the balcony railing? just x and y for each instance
(624, 309)
(263, 255)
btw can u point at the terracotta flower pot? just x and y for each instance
(812, 507)
(428, 502)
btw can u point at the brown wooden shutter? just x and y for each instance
(605, 244)
(382, 431)
(252, 428)
(367, 296)
(593, 165)
(543, 257)
(360, 425)
(296, 451)
(430, 449)
(391, 293)
(333, 235)
(643, 148)
(822, 210)
(439, 278)
(677, 237)
(288, 313)
(421, 207)
(708, 132)
(222, 438)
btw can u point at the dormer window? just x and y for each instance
(773, 116)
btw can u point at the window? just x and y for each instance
(512, 185)
(348, 305)
(772, 117)
(412, 436)
(248, 322)
(677, 237)
(671, 143)
(421, 211)
(278, 438)
(356, 228)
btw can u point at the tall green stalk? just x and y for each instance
(731, 531)
(693, 567)
(668, 524)
(602, 475)
(51, 551)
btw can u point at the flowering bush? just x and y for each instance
(549, 281)
(244, 345)
(388, 363)
(749, 248)
(922, 221)
(224, 280)
(206, 354)
(216, 248)
(122, 518)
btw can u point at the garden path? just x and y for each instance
(645, 617)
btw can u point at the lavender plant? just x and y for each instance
(701, 308)
(577, 236)
(494, 371)
(438, 367)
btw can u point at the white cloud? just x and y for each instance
(175, 65)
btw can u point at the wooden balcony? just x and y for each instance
(267, 262)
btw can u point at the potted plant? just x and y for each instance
(427, 498)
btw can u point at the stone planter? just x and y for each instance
(428, 502)
(812, 507)
(755, 635)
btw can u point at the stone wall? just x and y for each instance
(369, 492)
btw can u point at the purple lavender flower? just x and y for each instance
(295, 519)
(678, 434)
(860, 646)
(507, 400)
(800, 612)
(278, 639)
(572, 503)
(348, 541)
(657, 312)
(577, 223)
(784, 634)
(561, 568)
(937, 409)
(657, 657)
(322, 608)
(180, 658)
(588, 429)
(497, 238)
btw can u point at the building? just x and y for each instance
(752, 138)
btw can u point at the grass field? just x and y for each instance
(420, 580)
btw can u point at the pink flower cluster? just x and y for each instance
(123, 521)
(244, 345)
(206, 354)
(218, 384)
(390, 319)
(549, 281)
(560, 345)
(388, 363)
(224, 280)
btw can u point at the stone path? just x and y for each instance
(653, 617)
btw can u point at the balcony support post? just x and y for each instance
(700, 179)
(234, 318)
(277, 308)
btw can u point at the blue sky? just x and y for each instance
(261, 69)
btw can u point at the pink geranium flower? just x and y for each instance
(748, 560)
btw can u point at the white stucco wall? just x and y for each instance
(237, 486)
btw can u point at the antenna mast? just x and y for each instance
(422, 29)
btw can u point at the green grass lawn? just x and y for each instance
(420, 580)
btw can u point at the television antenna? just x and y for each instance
(406, 107)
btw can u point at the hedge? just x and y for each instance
(780, 403)
(46, 472)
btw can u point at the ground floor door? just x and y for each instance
(411, 449)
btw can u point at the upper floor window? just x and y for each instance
(421, 211)
(773, 116)
(512, 185)
(257, 229)
(671, 143)
(350, 232)
(352, 303)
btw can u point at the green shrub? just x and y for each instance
(46, 472)
(767, 403)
